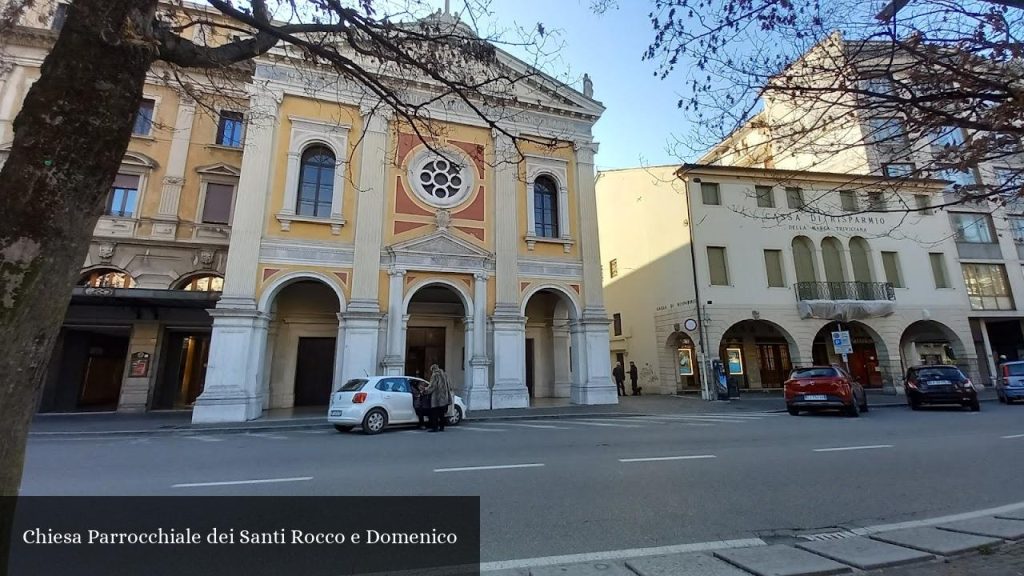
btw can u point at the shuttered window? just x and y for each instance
(717, 266)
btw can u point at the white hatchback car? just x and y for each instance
(379, 401)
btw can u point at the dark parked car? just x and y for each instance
(824, 388)
(940, 384)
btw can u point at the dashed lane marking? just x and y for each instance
(238, 482)
(498, 467)
(665, 458)
(848, 448)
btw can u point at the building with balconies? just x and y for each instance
(855, 129)
(714, 262)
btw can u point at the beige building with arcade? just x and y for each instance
(723, 263)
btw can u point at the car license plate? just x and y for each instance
(335, 412)
(815, 397)
(940, 383)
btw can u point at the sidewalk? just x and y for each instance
(981, 543)
(314, 417)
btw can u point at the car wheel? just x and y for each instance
(853, 410)
(342, 428)
(454, 419)
(975, 406)
(1002, 400)
(793, 411)
(915, 405)
(374, 421)
(864, 407)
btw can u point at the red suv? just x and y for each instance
(824, 388)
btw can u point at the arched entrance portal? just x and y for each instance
(550, 360)
(437, 323)
(685, 368)
(302, 340)
(757, 352)
(867, 359)
(931, 342)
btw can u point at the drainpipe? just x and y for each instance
(705, 368)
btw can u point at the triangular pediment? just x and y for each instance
(219, 169)
(441, 243)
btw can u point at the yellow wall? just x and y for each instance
(322, 111)
(565, 152)
(202, 152)
(398, 164)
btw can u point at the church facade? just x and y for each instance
(359, 247)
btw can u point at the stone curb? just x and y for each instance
(796, 558)
(313, 424)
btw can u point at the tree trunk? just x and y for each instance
(69, 139)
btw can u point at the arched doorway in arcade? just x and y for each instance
(758, 352)
(686, 367)
(867, 358)
(549, 358)
(931, 342)
(436, 332)
(302, 343)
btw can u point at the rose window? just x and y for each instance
(441, 180)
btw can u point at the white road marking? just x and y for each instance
(501, 467)
(267, 436)
(1013, 436)
(845, 448)
(460, 427)
(548, 426)
(583, 423)
(237, 482)
(619, 554)
(204, 438)
(663, 458)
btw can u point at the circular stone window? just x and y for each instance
(441, 180)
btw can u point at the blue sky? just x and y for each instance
(641, 114)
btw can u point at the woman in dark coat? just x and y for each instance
(440, 394)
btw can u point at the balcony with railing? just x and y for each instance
(845, 300)
(845, 291)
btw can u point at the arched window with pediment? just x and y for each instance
(316, 182)
(545, 207)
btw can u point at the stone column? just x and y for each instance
(990, 360)
(394, 360)
(234, 379)
(166, 225)
(272, 328)
(362, 315)
(595, 385)
(479, 396)
(561, 348)
(135, 390)
(509, 390)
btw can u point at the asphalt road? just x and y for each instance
(563, 486)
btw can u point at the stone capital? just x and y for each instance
(394, 271)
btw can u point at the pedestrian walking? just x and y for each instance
(440, 392)
(620, 378)
(633, 375)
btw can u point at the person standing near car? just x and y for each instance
(440, 392)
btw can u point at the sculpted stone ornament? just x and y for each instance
(443, 219)
(206, 257)
(106, 251)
